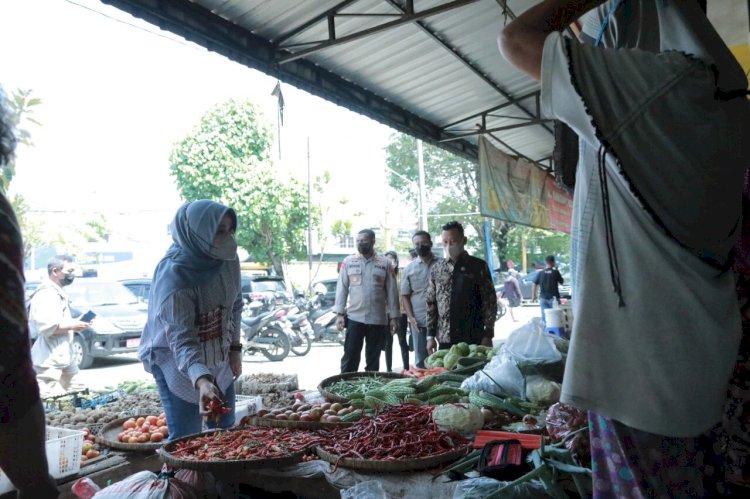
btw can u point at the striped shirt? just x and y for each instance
(192, 333)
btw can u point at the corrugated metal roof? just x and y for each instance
(442, 68)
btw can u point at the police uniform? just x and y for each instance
(370, 286)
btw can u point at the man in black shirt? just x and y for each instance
(547, 281)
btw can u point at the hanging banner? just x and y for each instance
(519, 192)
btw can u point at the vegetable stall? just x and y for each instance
(477, 422)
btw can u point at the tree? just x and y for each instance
(451, 185)
(227, 158)
(21, 105)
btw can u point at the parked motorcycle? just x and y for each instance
(324, 326)
(301, 331)
(265, 333)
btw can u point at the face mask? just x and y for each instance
(67, 279)
(364, 249)
(225, 248)
(423, 250)
(453, 252)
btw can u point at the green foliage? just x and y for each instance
(539, 244)
(341, 228)
(21, 109)
(451, 184)
(227, 158)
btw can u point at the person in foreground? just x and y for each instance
(22, 427)
(663, 124)
(191, 343)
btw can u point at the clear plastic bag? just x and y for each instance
(500, 377)
(529, 344)
(479, 488)
(371, 489)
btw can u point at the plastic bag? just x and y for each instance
(479, 488)
(371, 489)
(500, 377)
(562, 420)
(141, 485)
(148, 485)
(531, 345)
(202, 483)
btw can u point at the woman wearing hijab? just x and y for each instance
(191, 343)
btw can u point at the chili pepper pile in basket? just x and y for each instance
(401, 432)
(247, 444)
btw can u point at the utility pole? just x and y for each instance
(422, 190)
(309, 221)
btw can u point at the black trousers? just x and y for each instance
(401, 333)
(373, 336)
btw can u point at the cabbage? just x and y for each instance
(463, 418)
(542, 391)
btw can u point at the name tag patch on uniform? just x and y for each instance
(355, 279)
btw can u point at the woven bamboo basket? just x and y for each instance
(108, 436)
(165, 453)
(422, 463)
(297, 425)
(331, 397)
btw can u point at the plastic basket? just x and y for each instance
(63, 454)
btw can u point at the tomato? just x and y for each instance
(157, 437)
(326, 406)
(140, 421)
(161, 422)
(282, 417)
(334, 419)
(142, 438)
(132, 440)
(305, 417)
(336, 407)
(146, 428)
(86, 431)
(299, 396)
(92, 454)
(90, 438)
(128, 425)
(162, 416)
(164, 431)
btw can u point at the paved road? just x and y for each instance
(322, 361)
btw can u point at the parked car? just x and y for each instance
(140, 287)
(118, 325)
(270, 289)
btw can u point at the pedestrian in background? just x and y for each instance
(461, 299)
(53, 327)
(401, 324)
(414, 283)
(512, 292)
(368, 282)
(191, 343)
(547, 281)
(22, 427)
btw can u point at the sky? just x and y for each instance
(117, 93)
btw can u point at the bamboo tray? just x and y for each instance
(331, 397)
(108, 436)
(223, 465)
(297, 425)
(422, 463)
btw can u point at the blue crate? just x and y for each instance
(557, 331)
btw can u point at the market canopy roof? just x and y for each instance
(429, 68)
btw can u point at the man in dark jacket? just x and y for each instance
(461, 300)
(547, 281)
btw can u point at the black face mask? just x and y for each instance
(423, 250)
(364, 249)
(68, 279)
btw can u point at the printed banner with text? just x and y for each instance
(519, 192)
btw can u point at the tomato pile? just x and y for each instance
(89, 449)
(144, 429)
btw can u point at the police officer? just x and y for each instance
(369, 283)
